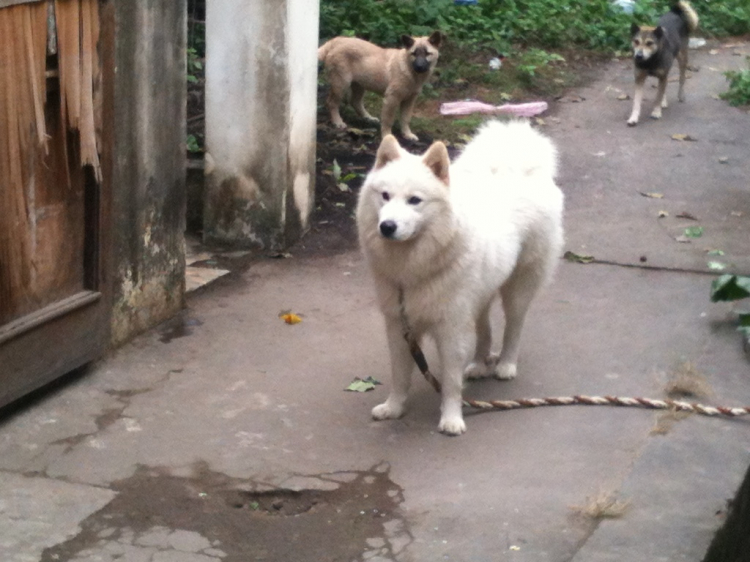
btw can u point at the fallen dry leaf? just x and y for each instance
(662, 214)
(723, 159)
(682, 238)
(290, 318)
(683, 137)
(652, 195)
(713, 52)
(623, 97)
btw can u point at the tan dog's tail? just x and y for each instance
(686, 12)
(323, 50)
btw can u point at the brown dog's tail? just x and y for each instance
(687, 13)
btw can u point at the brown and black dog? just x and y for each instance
(396, 74)
(654, 51)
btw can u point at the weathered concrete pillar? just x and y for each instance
(149, 164)
(261, 80)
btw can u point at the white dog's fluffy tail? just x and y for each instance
(511, 147)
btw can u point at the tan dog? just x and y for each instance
(654, 51)
(396, 74)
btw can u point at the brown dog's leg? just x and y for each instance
(407, 107)
(682, 60)
(358, 94)
(661, 97)
(640, 78)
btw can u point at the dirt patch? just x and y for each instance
(355, 520)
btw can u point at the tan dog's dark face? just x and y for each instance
(423, 51)
(646, 41)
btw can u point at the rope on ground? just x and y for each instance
(648, 403)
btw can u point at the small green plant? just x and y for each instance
(739, 86)
(534, 59)
(192, 144)
(733, 288)
(194, 65)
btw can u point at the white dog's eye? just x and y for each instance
(414, 200)
(386, 196)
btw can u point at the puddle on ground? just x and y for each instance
(355, 517)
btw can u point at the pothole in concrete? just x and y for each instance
(342, 516)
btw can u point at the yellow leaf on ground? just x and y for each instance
(291, 318)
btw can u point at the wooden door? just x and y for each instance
(54, 296)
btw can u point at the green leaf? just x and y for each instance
(730, 288)
(362, 385)
(336, 170)
(715, 253)
(571, 256)
(716, 266)
(694, 231)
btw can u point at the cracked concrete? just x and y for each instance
(179, 445)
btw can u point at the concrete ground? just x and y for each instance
(225, 435)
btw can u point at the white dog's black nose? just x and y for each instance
(388, 228)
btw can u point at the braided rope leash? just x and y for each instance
(502, 405)
(647, 403)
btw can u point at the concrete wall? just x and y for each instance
(261, 79)
(149, 163)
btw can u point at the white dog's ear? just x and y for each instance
(436, 159)
(389, 151)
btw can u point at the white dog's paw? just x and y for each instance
(371, 118)
(506, 371)
(476, 371)
(411, 137)
(632, 122)
(452, 425)
(387, 411)
(487, 368)
(656, 113)
(339, 124)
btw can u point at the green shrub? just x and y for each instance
(500, 24)
(739, 86)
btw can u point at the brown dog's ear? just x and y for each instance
(436, 159)
(407, 41)
(388, 151)
(659, 32)
(634, 29)
(436, 39)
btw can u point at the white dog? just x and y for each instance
(452, 239)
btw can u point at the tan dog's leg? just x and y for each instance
(358, 94)
(661, 97)
(640, 78)
(338, 85)
(682, 60)
(388, 114)
(407, 107)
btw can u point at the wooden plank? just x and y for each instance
(7, 3)
(52, 312)
(50, 350)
